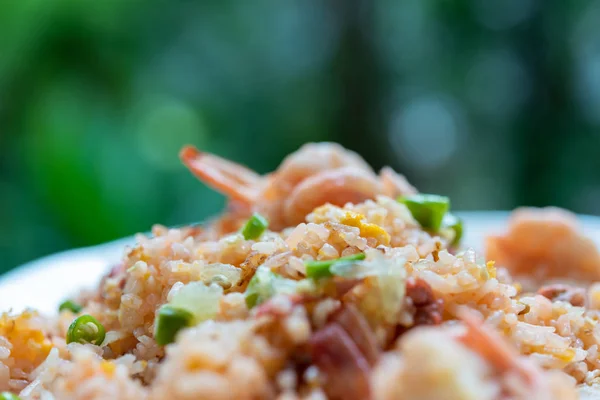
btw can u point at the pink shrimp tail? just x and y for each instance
(226, 177)
(493, 347)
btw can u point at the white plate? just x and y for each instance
(44, 283)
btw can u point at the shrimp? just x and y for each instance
(338, 187)
(394, 184)
(316, 174)
(545, 243)
(311, 159)
(231, 179)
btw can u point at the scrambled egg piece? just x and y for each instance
(108, 367)
(29, 343)
(366, 229)
(566, 355)
(595, 299)
(490, 265)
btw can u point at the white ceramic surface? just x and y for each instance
(44, 283)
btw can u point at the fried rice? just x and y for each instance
(354, 291)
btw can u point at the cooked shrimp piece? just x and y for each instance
(394, 184)
(316, 174)
(545, 243)
(338, 187)
(311, 159)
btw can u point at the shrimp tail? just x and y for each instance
(494, 348)
(485, 343)
(233, 180)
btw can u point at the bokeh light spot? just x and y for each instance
(164, 127)
(502, 14)
(497, 85)
(426, 132)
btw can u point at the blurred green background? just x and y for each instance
(495, 103)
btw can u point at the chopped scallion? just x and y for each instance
(427, 209)
(266, 284)
(69, 305)
(260, 287)
(456, 224)
(322, 268)
(255, 227)
(86, 329)
(169, 322)
(9, 396)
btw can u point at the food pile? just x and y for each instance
(323, 280)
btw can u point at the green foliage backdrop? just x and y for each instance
(493, 102)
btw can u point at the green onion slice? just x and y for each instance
(169, 322)
(255, 227)
(322, 269)
(86, 329)
(456, 224)
(427, 209)
(261, 286)
(69, 305)
(9, 396)
(266, 284)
